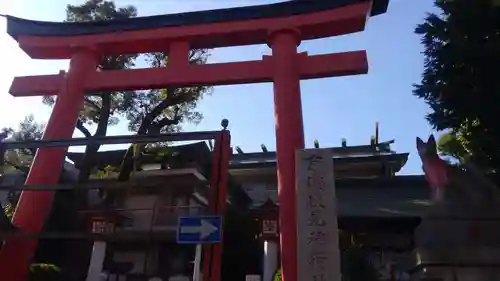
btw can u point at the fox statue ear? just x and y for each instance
(421, 147)
(431, 140)
(431, 145)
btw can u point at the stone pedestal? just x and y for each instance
(270, 260)
(455, 273)
(96, 261)
(458, 248)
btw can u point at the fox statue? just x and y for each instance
(462, 227)
(463, 186)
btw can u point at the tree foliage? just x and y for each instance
(147, 112)
(451, 145)
(459, 82)
(20, 159)
(161, 111)
(101, 109)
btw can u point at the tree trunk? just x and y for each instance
(86, 164)
(127, 164)
(85, 167)
(87, 161)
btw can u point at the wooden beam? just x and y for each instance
(123, 235)
(311, 67)
(108, 184)
(41, 85)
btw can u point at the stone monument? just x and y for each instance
(317, 227)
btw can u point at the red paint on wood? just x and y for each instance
(289, 138)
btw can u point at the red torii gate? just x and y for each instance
(282, 26)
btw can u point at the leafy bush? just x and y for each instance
(44, 272)
(277, 275)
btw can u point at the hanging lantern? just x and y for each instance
(103, 220)
(268, 216)
(102, 225)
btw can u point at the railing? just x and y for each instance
(160, 218)
(166, 216)
(132, 277)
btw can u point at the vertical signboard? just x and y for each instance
(317, 226)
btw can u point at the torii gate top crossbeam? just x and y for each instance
(203, 29)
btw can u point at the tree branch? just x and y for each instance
(83, 129)
(157, 110)
(158, 125)
(169, 101)
(93, 104)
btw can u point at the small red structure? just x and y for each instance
(282, 26)
(268, 216)
(103, 221)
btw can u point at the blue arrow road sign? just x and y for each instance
(199, 230)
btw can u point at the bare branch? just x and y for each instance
(157, 110)
(83, 129)
(93, 104)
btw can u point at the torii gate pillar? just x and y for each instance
(14, 258)
(289, 138)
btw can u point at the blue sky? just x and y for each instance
(333, 108)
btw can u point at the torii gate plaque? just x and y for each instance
(282, 26)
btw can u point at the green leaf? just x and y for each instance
(9, 210)
(163, 94)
